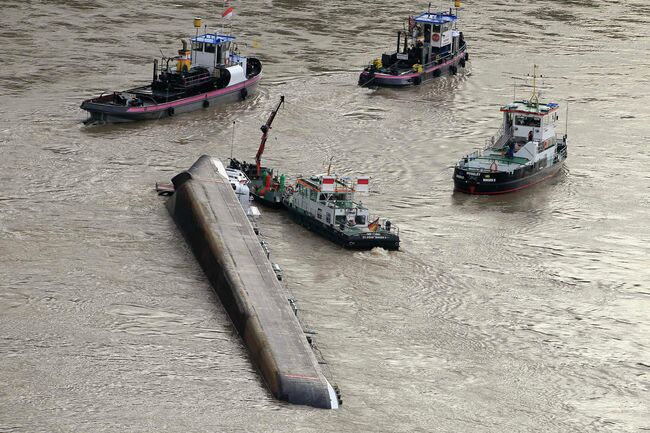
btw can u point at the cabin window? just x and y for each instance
(339, 197)
(360, 219)
(321, 197)
(435, 29)
(340, 219)
(328, 217)
(527, 121)
(319, 214)
(197, 46)
(209, 48)
(312, 195)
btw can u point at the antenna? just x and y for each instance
(534, 98)
(232, 142)
(429, 10)
(329, 167)
(566, 122)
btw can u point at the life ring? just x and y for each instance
(243, 93)
(435, 37)
(170, 111)
(289, 189)
(206, 103)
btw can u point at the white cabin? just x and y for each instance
(215, 53)
(330, 199)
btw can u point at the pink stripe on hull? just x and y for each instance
(393, 77)
(196, 98)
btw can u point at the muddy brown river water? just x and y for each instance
(528, 312)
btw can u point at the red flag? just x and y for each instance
(227, 14)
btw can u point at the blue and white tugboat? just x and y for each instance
(432, 46)
(525, 151)
(325, 204)
(211, 71)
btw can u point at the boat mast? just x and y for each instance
(534, 97)
(265, 133)
(566, 122)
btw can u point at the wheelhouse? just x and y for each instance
(214, 51)
(331, 199)
(530, 121)
(438, 34)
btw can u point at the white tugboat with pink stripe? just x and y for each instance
(209, 72)
(432, 46)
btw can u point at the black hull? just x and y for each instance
(502, 183)
(268, 203)
(367, 241)
(369, 78)
(108, 109)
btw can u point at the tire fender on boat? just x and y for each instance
(417, 80)
(243, 93)
(206, 103)
(453, 69)
(462, 63)
(466, 56)
(170, 111)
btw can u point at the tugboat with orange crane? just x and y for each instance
(265, 185)
(208, 73)
(436, 47)
(525, 151)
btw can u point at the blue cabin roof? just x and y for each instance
(210, 38)
(435, 18)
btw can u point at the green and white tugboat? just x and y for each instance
(526, 150)
(265, 185)
(325, 204)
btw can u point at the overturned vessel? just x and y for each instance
(211, 71)
(526, 151)
(432, 46)
(217, 227)
(266, 185)
(325, 204)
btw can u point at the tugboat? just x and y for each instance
(211, 72)
(525, 151)
(432, 46)
(266, 187)
(325, 204)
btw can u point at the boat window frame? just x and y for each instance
(527, 121)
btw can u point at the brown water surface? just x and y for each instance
(522, 313)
